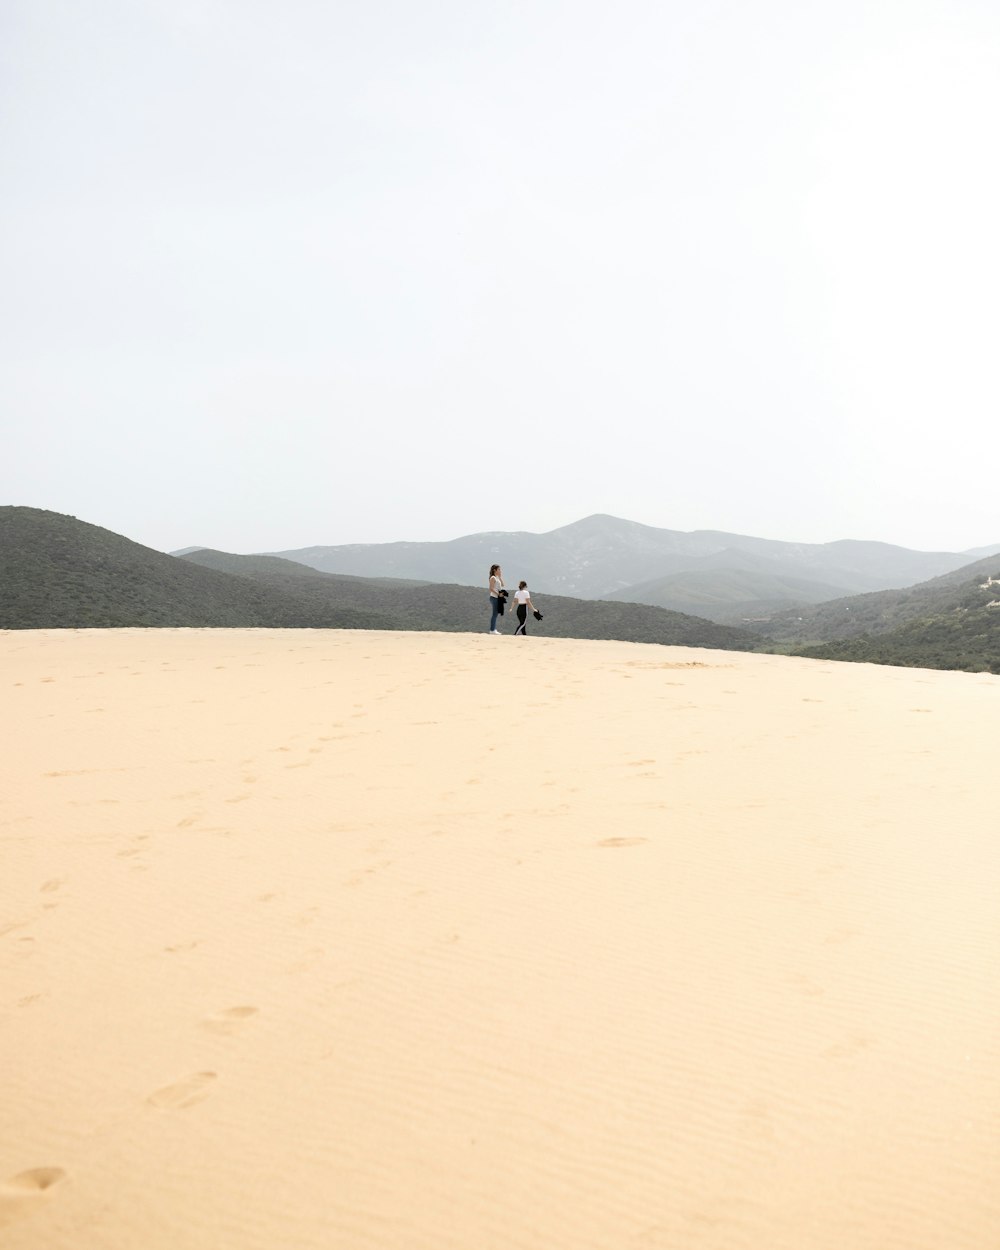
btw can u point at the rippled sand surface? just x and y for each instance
(344, 940)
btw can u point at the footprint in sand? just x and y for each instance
(622, 841)
(184, 1093)
(805, 986)
(20, 1195)
(229, 1021)
(53, 884)
(853, 1045)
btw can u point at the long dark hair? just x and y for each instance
(493, 569)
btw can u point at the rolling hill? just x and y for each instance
(437, 606)
(60, 572)
(950, 622)
(733, 596)
(965, 638)
(881, 611)
(606, 557)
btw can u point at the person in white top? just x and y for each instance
(522, 597)
(496, 590)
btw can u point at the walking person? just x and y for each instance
(497, 596)
(522, 597)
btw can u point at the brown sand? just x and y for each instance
(450, 942)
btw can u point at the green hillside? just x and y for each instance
(60, 572)
(950, 622)
(966, 638)
(883, 611)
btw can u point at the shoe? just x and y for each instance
(496, 631)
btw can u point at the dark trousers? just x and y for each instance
(522, 616)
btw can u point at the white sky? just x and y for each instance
(276, 274)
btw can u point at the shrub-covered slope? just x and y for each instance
(59, 572)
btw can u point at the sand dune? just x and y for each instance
(449, 942)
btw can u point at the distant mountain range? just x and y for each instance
(725, 577)
(59, 572)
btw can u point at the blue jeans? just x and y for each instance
(495, 605)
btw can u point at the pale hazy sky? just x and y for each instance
(276, 274)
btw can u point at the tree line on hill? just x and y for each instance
(952, 622)
(965, 636)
